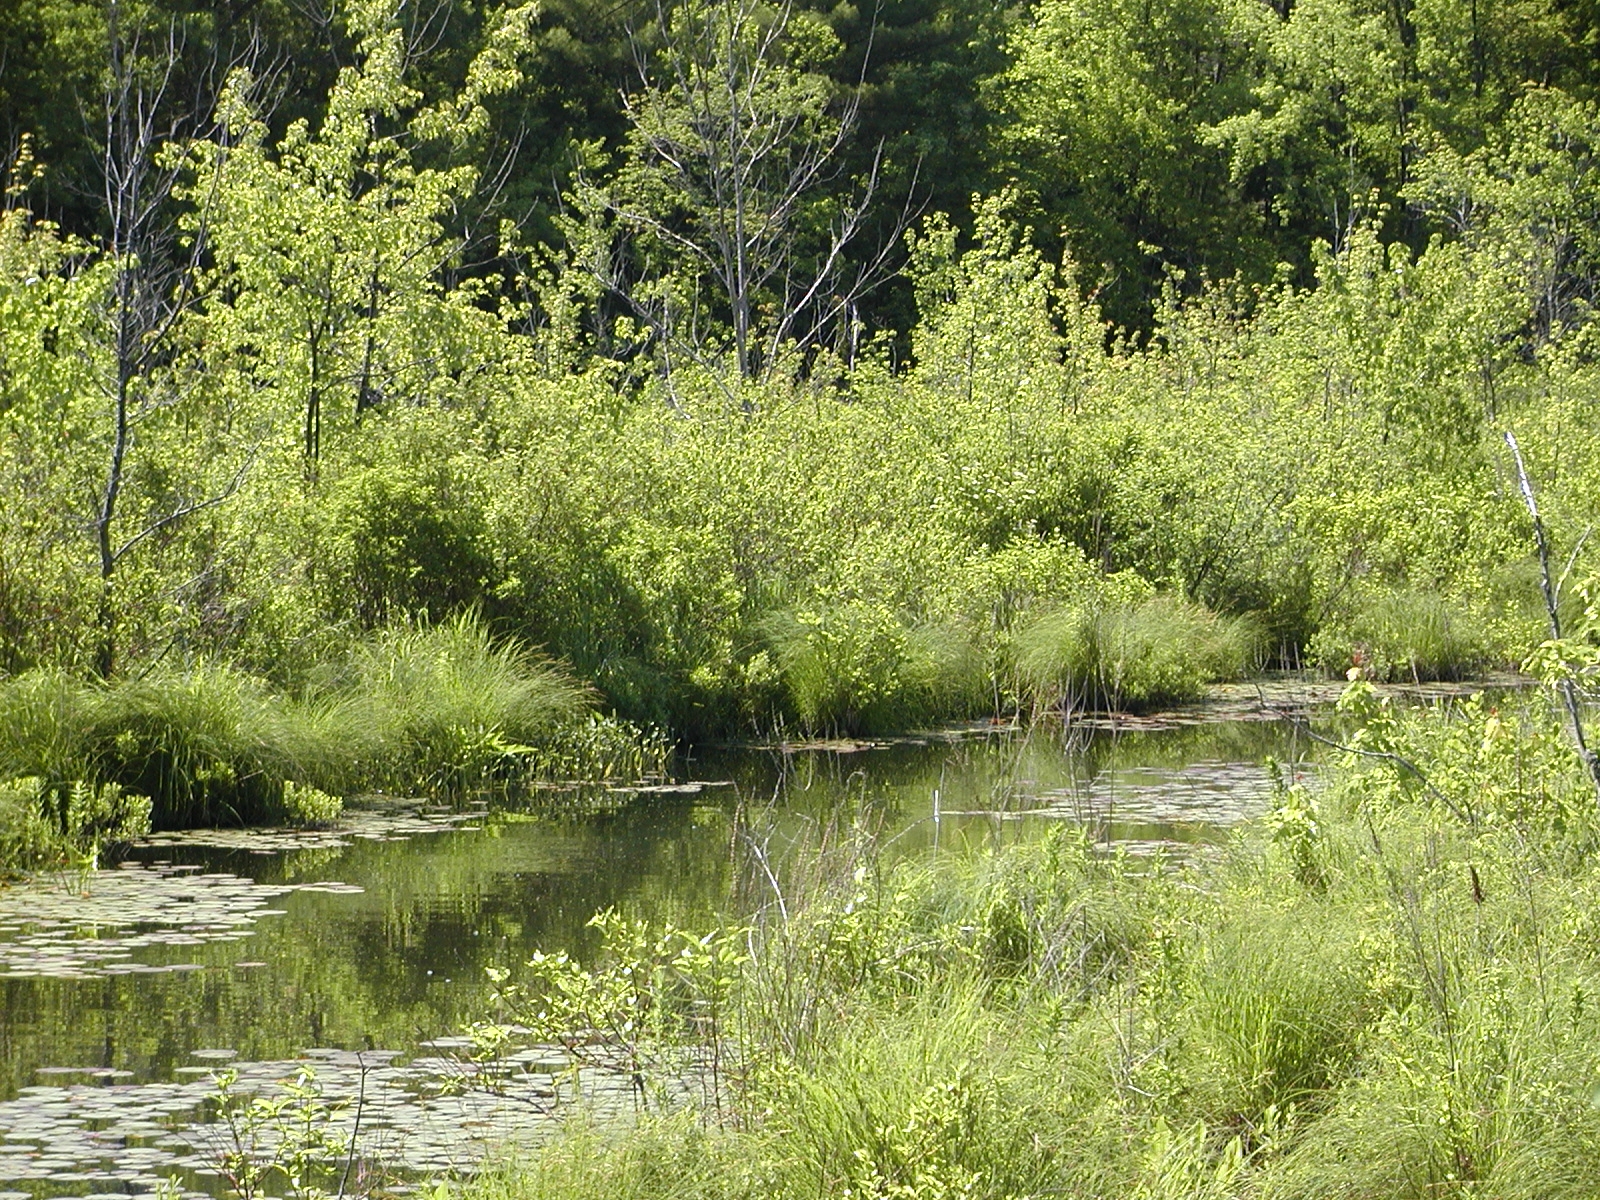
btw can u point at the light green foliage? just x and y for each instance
(280, 1143)
(45, 824)
(657, 993)
(1476, 762)
(309, 806)
(27, 834)
(1368, 996)
(921, 1158)
(986, 326)
(331, 245)
(600, 747)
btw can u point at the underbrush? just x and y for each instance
(420, 709)
(1383, 990)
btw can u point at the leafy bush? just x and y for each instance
(309, 806)
(404, 541)
(43, 824)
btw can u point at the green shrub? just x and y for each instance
(43, 824)
(28, 836)
(309, 806)
(857, 667)
(405, 540)
(1160, 651)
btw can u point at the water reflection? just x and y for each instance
(378, 938)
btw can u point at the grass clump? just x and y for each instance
(1160, 650)
(860, 668)
(419, 708)
(1400, 634)
(206, 745)
(209, 745)
(445, 706)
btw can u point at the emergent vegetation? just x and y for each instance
(1385, 989)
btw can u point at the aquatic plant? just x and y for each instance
(52, 824)
(1159, 650)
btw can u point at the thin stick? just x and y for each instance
(361, 1101)
(1405, 764)
(1567, 688)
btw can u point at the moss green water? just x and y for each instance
(120, 992)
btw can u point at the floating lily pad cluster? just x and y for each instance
(64, 927)
(1272, 699)
(374, 821)
(436, 1113)
(71, 926)
(1218, 794)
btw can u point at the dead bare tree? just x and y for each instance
(1566, 686)
(153, 277)
(733, 142)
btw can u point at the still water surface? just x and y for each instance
(365, 948)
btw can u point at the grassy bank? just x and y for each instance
(413, 710)
(1383, 989)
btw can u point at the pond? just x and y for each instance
(362, 950)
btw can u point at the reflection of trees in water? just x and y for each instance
(353, 970)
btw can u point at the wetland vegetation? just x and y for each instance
(1381, 989)
(452, 402)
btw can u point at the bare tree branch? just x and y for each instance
(1567, 687)
(732, 144)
